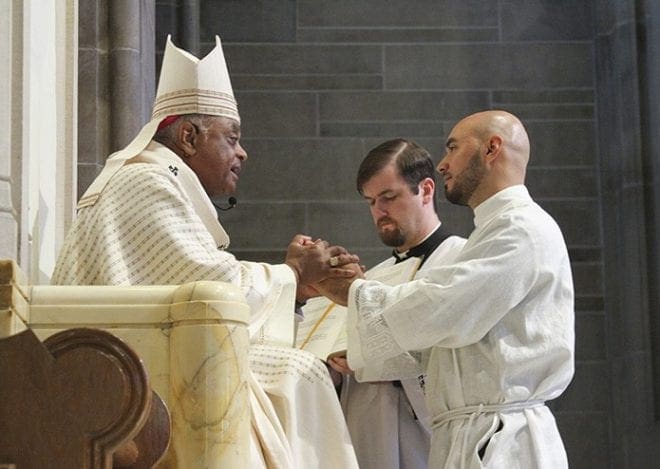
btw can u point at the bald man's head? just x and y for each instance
(506, 125)
(486, 152)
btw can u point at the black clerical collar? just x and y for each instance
(423, 249)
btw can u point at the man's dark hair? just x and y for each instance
(412, 161)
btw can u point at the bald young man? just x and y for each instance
(495, 327)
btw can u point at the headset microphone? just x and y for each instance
(231, 201)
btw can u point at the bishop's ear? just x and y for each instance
(187, 140)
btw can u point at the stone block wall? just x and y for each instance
(628, 74)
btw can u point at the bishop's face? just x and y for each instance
(218, 156)
(395, 210)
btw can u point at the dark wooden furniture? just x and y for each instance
(74, 400)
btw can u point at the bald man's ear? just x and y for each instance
(493, 147)
(187, 138)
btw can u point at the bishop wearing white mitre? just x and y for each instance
(148, 219)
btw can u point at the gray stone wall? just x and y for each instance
(627, 45)
(320, 82)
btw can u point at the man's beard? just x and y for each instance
(467, 182)
(392, 237)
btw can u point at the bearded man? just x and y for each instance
(388, 420)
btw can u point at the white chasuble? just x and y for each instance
(153, 224)
(495, 329)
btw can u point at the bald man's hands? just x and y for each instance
(336, 289)
(315, 261)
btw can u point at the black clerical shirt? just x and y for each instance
(425, 248)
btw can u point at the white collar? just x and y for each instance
(489, 207)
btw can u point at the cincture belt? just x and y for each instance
(471, 411)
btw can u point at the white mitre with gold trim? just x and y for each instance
(187, 85)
